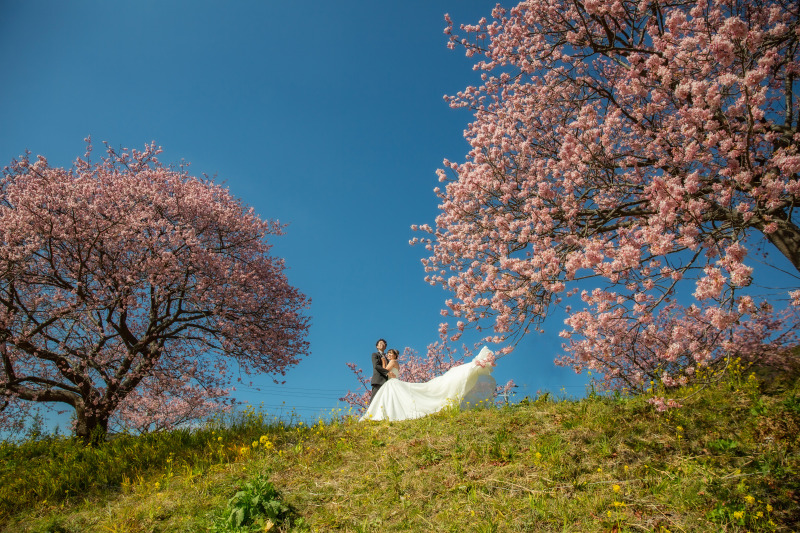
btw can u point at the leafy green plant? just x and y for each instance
(723, 445)
(257, 503)
(793, 404)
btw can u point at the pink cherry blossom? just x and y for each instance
(133, 292)
(650, 153)
(663, 404)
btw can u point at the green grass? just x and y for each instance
(727, 460)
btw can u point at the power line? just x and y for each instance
(298, 407)
(290, 388)
(290, 394)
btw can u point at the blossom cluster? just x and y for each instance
(643, 154)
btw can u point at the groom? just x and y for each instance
(379, 373)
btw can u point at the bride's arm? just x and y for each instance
(392, 364)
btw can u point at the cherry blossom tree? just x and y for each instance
(641, 153)
(135, 293)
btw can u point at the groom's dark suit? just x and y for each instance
(379, 374)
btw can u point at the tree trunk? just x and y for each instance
(786, 239)
(91, 429)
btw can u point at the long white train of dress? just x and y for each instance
(463, 385)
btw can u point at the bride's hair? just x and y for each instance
(393, 352)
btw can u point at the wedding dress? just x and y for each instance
(463, 385)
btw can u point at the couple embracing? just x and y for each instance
(395, 399)
(384, 366)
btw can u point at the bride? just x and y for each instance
(463, 385)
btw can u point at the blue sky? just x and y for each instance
(327, 116)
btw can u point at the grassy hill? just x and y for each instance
(728, 460)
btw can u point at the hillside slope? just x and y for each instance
(727, 460)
